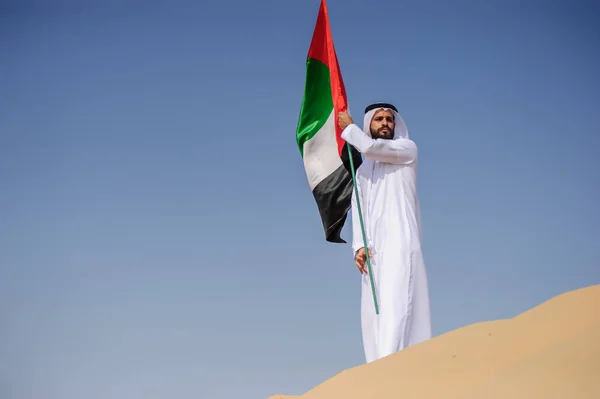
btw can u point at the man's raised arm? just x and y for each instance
(396, 151)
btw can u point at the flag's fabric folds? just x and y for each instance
(324, 152)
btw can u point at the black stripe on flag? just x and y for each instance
(334, 196)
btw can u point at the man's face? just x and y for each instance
(382, 125)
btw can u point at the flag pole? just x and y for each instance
(362, 226)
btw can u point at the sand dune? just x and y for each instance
(551, 351)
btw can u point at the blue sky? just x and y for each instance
(157, 235)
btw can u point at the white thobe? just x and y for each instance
(386, 182)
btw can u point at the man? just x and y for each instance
(387, 190)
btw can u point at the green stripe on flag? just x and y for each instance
(317, 103)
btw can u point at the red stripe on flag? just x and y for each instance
(322, 49)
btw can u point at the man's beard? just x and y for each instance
(380, 134)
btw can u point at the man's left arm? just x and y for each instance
(396, 151)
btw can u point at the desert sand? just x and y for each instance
(551, 351)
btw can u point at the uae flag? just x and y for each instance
(325, 154)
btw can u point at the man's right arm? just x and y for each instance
(396, 151)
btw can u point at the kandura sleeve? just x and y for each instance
(397, 151)
(357, 238)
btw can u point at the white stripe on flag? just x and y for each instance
(321, 157)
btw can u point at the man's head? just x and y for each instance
(382, 121)
(382, 124)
